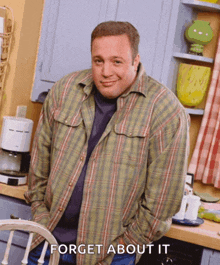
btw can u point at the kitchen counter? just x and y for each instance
(206, 235)
(13, 191)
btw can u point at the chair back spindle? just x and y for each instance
(31, 227)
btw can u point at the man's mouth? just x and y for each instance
(108, 83)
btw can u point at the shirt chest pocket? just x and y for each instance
(132, 142)
(68, 130)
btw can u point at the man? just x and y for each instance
(109, 156)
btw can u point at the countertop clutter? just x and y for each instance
(206, 234)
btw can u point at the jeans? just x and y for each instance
(34, 255)
(66, 259)
(124, 259)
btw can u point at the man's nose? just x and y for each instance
(106, 69)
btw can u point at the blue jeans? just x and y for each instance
(66, 259)
(124, 259)
(34, 255)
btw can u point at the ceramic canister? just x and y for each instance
(193, 203)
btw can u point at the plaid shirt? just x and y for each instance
(135, 176)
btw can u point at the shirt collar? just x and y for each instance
(87, 83)
(137, 86)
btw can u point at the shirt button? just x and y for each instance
(66, 121)
(60, 209)
(70, 184)
(81, 158)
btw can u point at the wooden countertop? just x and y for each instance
(205, 235)
(13, 191)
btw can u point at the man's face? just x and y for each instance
(113, 68)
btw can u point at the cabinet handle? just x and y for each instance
(14, 217)
(168, 261)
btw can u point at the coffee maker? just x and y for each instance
(14, 152)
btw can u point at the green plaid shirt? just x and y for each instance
(135, 177)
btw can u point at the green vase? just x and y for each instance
(198, 34)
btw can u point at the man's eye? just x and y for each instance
(117, 62)
(98, 61)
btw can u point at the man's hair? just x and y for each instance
(114, 28)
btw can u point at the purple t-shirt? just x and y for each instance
(66, 230)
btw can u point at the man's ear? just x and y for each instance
(136, 61)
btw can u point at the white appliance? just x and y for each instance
(14, 152)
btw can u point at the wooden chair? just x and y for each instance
(31, 227)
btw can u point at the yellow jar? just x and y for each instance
(192, 83)
(210, 1)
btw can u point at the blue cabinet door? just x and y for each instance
(152, 19)
(19, 209)
(65, 38)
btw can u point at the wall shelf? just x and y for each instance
(194, 111)
(202, 6)
(193, 57)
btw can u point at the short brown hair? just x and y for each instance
(114, 28)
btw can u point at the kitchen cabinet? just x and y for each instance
(18, 208)
(67, 26)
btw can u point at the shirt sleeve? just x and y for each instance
(167, 168)
(40, 161)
